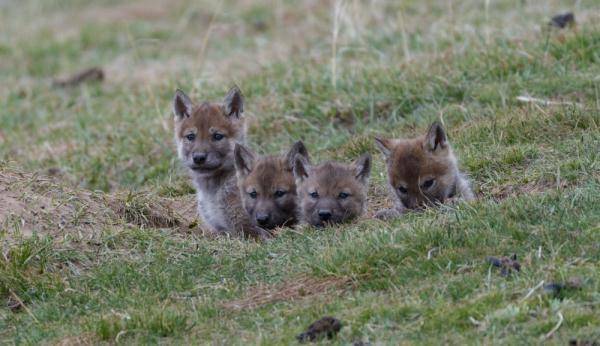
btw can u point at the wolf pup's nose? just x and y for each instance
(324, 214)
(262, 219)
(199, 158)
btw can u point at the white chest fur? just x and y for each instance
(209, 208)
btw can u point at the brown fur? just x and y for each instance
(267, 186)
(321, 188)
(422, 171)
(205, 136)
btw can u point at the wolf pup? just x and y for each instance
(267, 186)
(205, 135)
(332, 192)
(422, 171)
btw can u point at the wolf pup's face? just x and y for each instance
(332, 192)
(422, 171)
(206, 134)
(268, 187)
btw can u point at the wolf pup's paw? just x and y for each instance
(261, 234)
(387, 214)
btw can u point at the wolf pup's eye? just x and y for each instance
(428, 183)
(253, 194)
(217, 136)
(280, 193)
(191, 137)
(314, 194)
(343, 195)
(402, 189)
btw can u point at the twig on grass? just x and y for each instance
(430, 252)
(558, 324)
(475, 322)
(87, 75)
(532, 290)
(16, 297)
(534, 100)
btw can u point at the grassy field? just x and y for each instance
(99, 238)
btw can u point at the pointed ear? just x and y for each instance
(301, 167)
(243, 159)
(362, 167)
(436, 137)
(384, 145)
(297, 149)
(234, 102)
(182, 105)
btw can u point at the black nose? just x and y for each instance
(199, 158)
(324, 214)
(262, 219)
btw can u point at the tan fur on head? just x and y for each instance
(423, 170)
(332, 192)
(267, 186)
(206, 134)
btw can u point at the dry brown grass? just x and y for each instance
(301, 287)
(33, 203)
(145, 210)
(78, 340)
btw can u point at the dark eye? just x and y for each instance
(314, 194)
(218, 136)
(343, 195)
(428, 183)
(280, 193)
(191, 137)
(253, 194)
(402, 189)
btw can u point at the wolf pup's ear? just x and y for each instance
(301, 167)
(436, 137)
(243, 159)
(297, 149)
(384, 146)
(234, 102)
(362, 167)
(182, 105)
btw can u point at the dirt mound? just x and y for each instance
(31, 203)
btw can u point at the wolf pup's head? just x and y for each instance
(422, 171)
(332, 192)
(205, 134)
(267, 186)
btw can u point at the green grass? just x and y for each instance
(422, 279)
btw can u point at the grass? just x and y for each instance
(98, 241)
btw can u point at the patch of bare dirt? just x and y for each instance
(129, 11)
(299, 288)
(502, 192)
(78, 340)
